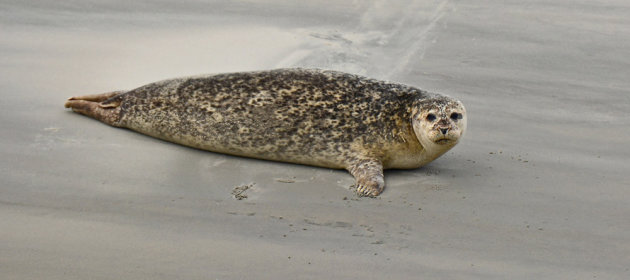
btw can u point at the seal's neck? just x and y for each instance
(432, 151)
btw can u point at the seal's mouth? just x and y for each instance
(443, 141)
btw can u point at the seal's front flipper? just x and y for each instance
(368, 174)
(99, 107)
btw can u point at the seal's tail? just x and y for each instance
(103, 107)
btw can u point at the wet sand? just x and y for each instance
(537, 189)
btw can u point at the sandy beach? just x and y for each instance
(539, 187)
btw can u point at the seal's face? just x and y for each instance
(439, 121)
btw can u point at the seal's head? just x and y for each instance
(439, 122)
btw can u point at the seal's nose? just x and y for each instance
(444, 130)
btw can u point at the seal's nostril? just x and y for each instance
(444, 130)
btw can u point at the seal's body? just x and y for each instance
(313, 117)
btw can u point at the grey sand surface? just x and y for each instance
(537, 189)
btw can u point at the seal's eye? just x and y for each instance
(456, 116)
(430, 117)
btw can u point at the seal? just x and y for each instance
(306, 116)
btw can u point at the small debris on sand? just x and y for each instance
(239, 191)
(285, 180)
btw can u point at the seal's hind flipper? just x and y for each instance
(98, 107)
(97, 97)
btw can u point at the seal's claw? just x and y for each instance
(369, 189)
(361, 190)
(371, 192)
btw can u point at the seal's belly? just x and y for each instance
(237, 134)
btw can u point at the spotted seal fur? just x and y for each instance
(306, 116)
